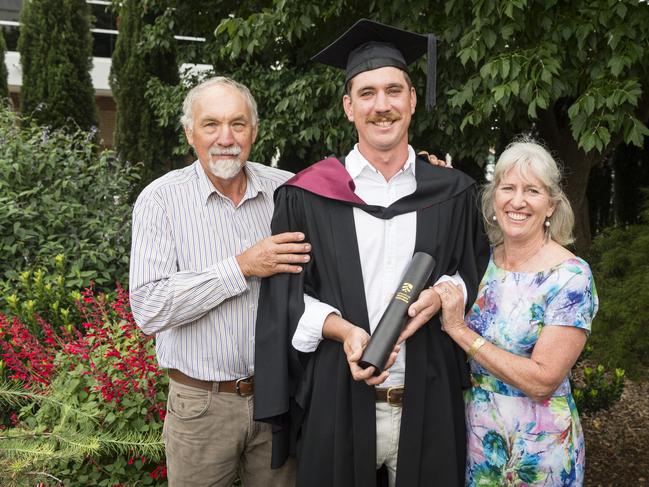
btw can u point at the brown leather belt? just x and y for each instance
(392, 395)
(243, 386)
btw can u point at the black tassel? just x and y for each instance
(431, 81)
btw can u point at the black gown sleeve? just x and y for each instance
(278, 369)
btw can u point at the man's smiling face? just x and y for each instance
(380, 103)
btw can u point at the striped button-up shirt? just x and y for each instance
(185, 284)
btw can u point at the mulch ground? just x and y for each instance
(617, 441)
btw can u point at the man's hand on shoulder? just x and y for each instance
(278, 253)
(432, 158)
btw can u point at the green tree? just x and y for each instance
(4, 88)
(56, 56)
(576, 74)
(138, 135)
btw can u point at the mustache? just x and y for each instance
(233, 150)
(383, 117)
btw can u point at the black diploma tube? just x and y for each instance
(393, 320)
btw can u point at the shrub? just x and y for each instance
(620, 333)
(52, 289)
(90, 404)
(593, 387)
(60, 195)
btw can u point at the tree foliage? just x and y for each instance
(138, 135)
(573, 73)
(4, 88)
(56, 56)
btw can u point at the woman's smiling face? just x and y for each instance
(522, 204)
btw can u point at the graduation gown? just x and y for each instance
(318, 412)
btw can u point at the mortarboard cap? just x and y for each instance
(369, 45)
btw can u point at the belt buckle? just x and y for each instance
(388, 393)
(237, 386)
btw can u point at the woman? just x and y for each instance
(525, 331)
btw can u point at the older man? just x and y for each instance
(365, 215)
(194, 281)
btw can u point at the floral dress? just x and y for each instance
(513, 440)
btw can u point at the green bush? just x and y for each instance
(50, 289)
(600, 390)
(60, 195)
(593, 386)
(619, 258)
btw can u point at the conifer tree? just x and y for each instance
(138, 135)
(55, 47)
(4, 88)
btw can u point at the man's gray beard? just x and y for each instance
(225, 168)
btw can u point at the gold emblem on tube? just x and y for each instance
(404, 293)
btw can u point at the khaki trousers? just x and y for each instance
(210, 438)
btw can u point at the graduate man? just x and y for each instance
(365, 216)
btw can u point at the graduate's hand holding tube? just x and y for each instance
(283, 252)
(354, 340)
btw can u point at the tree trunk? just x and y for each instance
(555, 132)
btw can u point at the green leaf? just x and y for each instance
(587, 142)
(604, 135)
(499, 92)
(616, 64)
(507, 31)
(589, 104)
(504, 68)
(542, 101)
(514, 87)
(489, 38)
(637, 133)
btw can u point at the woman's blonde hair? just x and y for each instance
(529, 157)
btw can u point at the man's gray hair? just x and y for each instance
(187, 118)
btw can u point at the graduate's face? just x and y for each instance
(222, 132)
(381, 103)
(522, 204)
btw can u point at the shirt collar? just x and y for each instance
(355, 163)
(206, 188)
